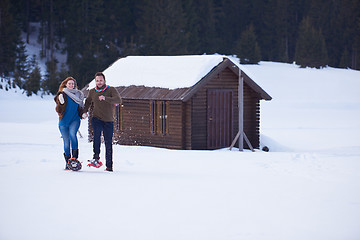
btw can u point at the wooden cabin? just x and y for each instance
(204, 115)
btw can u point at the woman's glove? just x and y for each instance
(61, 99)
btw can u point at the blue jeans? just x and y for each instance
(107, 128)
(68, 134)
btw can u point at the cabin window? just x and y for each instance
(158, 117)
(119, 117)
(153, 117)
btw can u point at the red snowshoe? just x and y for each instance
(95, 163)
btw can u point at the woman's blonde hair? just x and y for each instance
(63, 83)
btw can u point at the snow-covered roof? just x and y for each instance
(167, 72)
(160, 71)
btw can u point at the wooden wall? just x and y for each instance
(187, 122)
(225, 80)
(136, 128)
(251, 117)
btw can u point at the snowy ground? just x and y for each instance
(306, 187)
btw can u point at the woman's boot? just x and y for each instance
(74, 163)
(75, 153)
(67, 157)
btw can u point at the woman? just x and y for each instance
(69, 105)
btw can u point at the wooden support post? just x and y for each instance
(234, 141)
(244, 137)
(241, 134)
(241, 111)
(248, 143)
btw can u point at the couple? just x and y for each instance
(71, 108)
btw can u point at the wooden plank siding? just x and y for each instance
(225, 80)
(251, 117)
(136, 126)
(188, 125)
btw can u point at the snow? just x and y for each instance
(315, 108)
(306, 187)
(160, 71)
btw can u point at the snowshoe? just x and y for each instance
(74, 164)
(95, 163)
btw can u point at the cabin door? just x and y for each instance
(220, 114)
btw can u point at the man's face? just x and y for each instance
(99, 80)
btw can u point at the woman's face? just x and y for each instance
(70, 84)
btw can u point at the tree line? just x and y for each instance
(94, 33)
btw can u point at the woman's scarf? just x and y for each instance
(75, 95)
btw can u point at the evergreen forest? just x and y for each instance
(94, 33)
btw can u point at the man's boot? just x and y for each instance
(95, 162)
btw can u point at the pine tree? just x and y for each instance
(322, 15)
(120, 27)
(282, 23)
(345, 60)
(22, 67)
(192, 27)
(52, 81)
(87, 46)
(63, 73)
(349, 17)
(247, 48)
(33, 81)
(310, 48)
(9, 38)
(209, 18)
(162, 28)
(264, 21)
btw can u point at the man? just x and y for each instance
(104, 99)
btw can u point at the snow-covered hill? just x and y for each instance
(306, 187)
